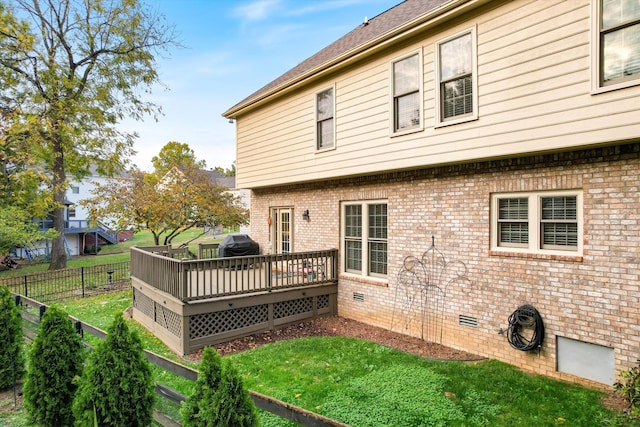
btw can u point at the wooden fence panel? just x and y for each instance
(282, 409)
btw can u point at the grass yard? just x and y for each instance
(365, 384)
(118, 252)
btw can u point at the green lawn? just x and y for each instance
(365, 384)
(118, 252)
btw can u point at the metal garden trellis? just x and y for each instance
(421, 292)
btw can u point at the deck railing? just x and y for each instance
(191, 280)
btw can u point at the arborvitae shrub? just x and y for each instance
(117, 387)
(235, 406)
(55, 362)
(218, 398)
(11, 354)
(206, 386)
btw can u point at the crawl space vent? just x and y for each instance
(468, 321)
(357, 296)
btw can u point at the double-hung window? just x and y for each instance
(540, 222)
(617, 44)
(456, 86)
(325, 123)
(364, 238)
(406, 78)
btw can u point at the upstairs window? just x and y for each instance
(456, 87)
(364, 238)
(541, 222)
(407, 94)
(325, 127)
(618, 45)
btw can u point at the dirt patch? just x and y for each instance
(339, 326)
(8, 402)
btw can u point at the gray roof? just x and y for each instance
(362, 35)
(221, 180)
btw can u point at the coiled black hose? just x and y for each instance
(525, 316)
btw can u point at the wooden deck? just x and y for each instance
(189, 304)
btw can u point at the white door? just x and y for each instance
(282, 230)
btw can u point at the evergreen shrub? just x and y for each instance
(116, 388)
(55, 362)
(194, 407)
(11, 340)
(219, 398)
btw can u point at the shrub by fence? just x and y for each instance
(32, 311)
(49, 286)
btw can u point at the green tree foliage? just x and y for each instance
(226, 172)
(21, 181)
(219, 398)
(235, 406)
(207, 385)
(167, 204)
(117, 386)
(11, 355)
(22, 193)
(55, 362)
(70, 71)
(175, 154)
(17, 229)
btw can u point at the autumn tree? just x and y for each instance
(175, 154)
(71, 70)
(167, 204)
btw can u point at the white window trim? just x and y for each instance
(315, 115)
(440, 122)
(365, 239)
(596, 63)
(534, 246)
(392, 113)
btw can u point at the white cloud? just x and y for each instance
(257, 10)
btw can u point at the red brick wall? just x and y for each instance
(593, 298)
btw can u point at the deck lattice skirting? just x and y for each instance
(190, 304)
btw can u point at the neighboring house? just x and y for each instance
(244, 196)
(80, 235)
(507, 130)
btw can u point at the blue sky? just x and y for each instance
(232, 48)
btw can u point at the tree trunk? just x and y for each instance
(59, 183)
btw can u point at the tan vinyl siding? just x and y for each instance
(534, 96)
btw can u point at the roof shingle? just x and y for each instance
(376, 27)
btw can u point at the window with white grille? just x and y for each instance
(364, 238)
(539, 222)
(406, 82)
(325, 123)
(456, 87)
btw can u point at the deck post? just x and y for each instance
(184, 285)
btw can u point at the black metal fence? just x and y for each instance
(49, 286)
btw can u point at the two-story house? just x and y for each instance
(80, 235)
(509, 131)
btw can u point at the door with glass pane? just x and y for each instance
(282, 230)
